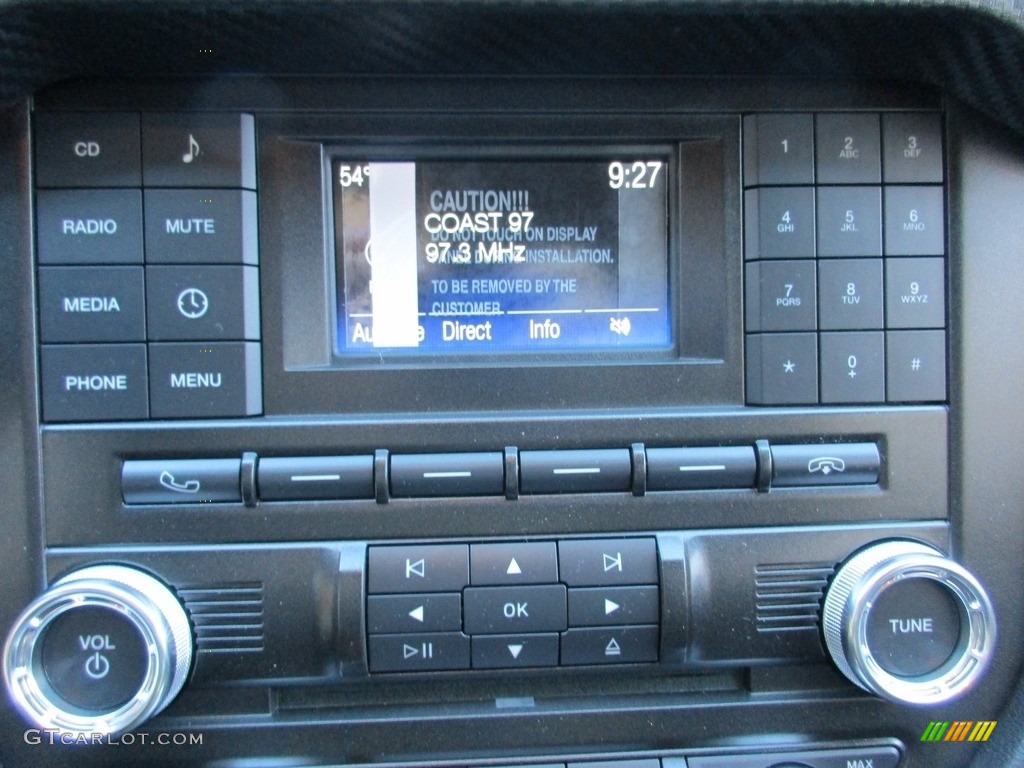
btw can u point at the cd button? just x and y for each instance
(390, 614)
(419, 653)
(208, 226)
(532, 563)
(102, 226)
(513, 651)
(611, 606)
(448, 474)
(199, 150)
(87, 149)
(600, 562)
(509, 610)
(683, 469)
(574, 471)
(620, 645)
(421, 568)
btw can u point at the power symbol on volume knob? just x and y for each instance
(905, 622)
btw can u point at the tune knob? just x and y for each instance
(103, 650)
(905, 622)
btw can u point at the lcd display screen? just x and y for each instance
(501, 256)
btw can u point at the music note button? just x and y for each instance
(210, 150)
(193, 150)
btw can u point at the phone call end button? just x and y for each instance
(181, 481)
(828, 464)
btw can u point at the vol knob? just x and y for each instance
(903, 621)
(100, 652)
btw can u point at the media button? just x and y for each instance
(418, 653)
(418, 568)
(87, 149)
(79, 304)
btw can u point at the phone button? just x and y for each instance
(191, 481)
(826, 464)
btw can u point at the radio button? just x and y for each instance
(315, 477)
(781, 296)
(612, 606)
(514, 651)
(853, 367)
(390, 614)
(847, 147)
(782, 368)
(830, 464)
(92, 304)
(87, 149)
(575, 471)
(205, 380)
(621, 645)
(422, 568)
(200, 303)
(526, 563)
(684, 469)
(915, 293)
(208, 226)
(778, 149)
(849, 221)
(94, 382)
(419, 653)
(177, 481)
(601, 562)
(448, 474)
(913, 148)
(101, 226)
(199, 150)
(914, 221)
(508, 610)
(850, 294)
(915, 365)
(779, 223)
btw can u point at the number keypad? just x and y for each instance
(873, 255)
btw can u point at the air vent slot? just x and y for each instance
(228, 618)
(788, 595)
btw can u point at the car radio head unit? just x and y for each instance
(502, 255)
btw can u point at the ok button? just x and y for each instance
(94, 658)
(504, 610)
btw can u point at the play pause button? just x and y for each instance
(419, 653)
(512, 651)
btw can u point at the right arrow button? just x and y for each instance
(613, 606)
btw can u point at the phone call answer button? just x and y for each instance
(188, 481)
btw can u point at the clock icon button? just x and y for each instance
(193, 303)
